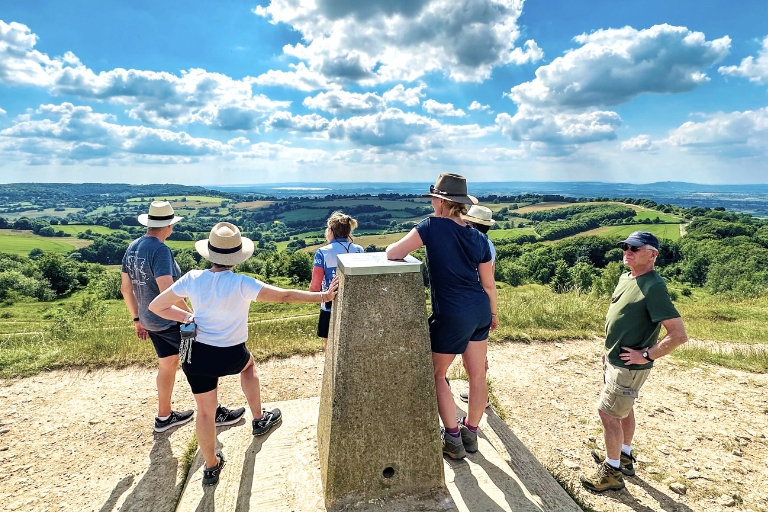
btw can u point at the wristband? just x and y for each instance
(136, 319)
(494, 314)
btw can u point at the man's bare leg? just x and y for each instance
(166, 376)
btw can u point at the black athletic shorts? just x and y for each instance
(166, 342)
(323, 323)
(451, 333)
(209, 363)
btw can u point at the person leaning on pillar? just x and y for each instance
(463, 308)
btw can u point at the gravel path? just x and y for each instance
(75, 440)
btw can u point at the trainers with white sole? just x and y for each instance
(173, 420)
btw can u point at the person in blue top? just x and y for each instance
(338, 232)
(463, 303)
(481, 218)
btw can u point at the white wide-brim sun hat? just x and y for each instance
(225, 246)
(160, 215)
(479, 215)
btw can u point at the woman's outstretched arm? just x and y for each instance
(404, 246)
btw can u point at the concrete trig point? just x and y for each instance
(377, 429)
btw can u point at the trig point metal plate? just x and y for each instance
(370, 263)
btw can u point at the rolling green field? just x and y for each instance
(34, 214)
(366, 240)
(500, 234)
(649, 215)
(74, 229)
(669, 231)
(22, 243)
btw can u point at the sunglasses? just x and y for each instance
(627, 247)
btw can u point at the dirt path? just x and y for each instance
(83, 440)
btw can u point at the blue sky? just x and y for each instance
(237, 92)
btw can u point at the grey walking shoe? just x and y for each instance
(452, 446)
(468, 438)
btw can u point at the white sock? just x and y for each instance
(613, 463)
(164, 417)
(626, 449)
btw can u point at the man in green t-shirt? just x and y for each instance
(640, 305)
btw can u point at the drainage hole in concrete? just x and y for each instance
(388, 472)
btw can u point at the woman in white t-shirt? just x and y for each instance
(221, 300)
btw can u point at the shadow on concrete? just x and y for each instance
(473, 495)
(243, 503)
(122, 486)
(501, 480)
(208, 501)
(157, 490)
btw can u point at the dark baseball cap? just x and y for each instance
(641, 238)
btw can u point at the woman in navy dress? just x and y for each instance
(463, 293)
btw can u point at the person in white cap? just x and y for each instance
(149, 268)
(221, 300)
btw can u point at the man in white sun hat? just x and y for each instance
(149, 268)
(221, 299)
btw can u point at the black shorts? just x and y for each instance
(323, 323)
(209, 363)
(166, 342)
(450, 333)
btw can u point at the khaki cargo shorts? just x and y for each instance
(622, 387)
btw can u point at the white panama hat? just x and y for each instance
(225, 246)
(160, 215)
(479, 215)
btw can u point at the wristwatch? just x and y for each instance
(645, 355)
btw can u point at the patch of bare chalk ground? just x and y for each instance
(703, 428)
(84, 441)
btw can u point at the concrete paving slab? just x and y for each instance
(281, 472)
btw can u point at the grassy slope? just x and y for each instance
(526, 313)
(22, 243)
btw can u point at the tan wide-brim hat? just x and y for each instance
(451, 187)
(160, 215)
(225, 246)
(479, 215)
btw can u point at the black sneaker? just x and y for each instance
(268, 420)
(211, 476)
(226, 416)
(465, 398)
(174, 420)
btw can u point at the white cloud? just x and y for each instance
(639, 144)
(476, 105)
(20, 63)
(442, 109)
(756, 69)
(410, 97)
(387, 40)
(560, 128)
(289, 122)
(394, 130)
(159, 98)
(2, 112)
(615, 65)
(730, 134)
(343, 102)
(391, 128)
(301, 78)
(77, 133)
